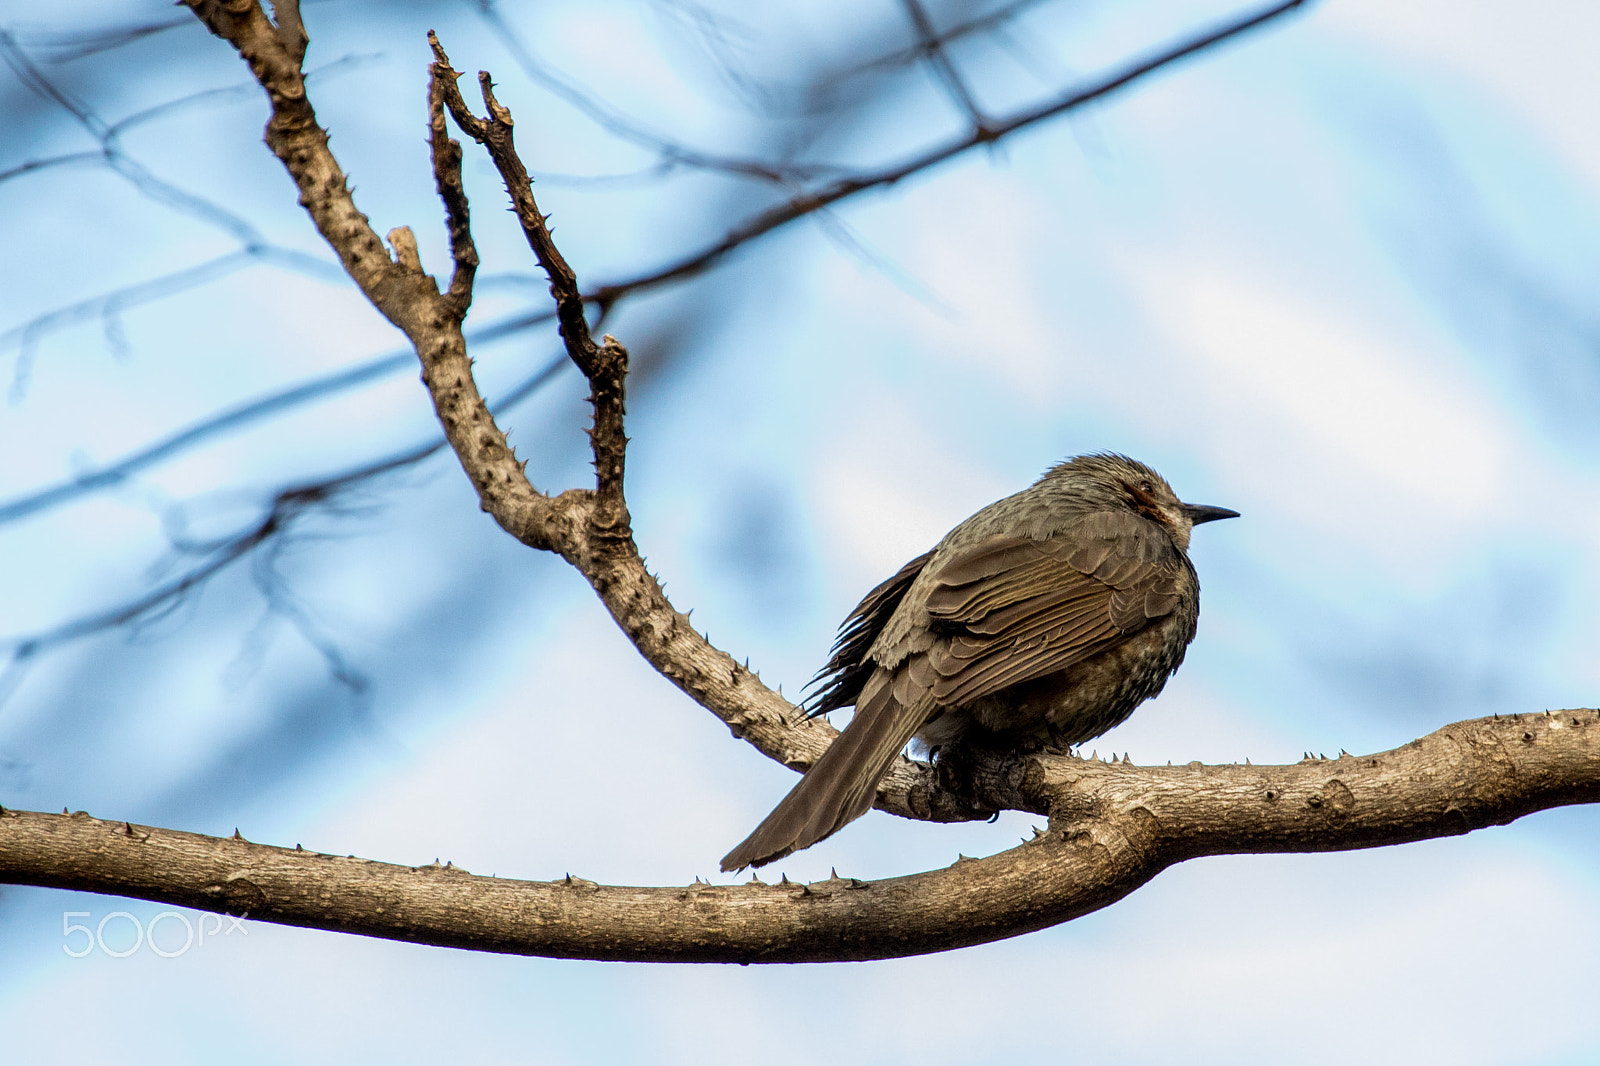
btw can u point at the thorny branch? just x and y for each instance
(1112, 829)
(592, 530)
(605, 365)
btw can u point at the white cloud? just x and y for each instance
(879, 514)
(983, 270)
(1342, 397)
(1534, 57)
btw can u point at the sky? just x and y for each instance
(1338, 275)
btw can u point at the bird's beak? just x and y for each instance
(1201, 512)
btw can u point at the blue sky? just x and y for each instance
(1339, 276)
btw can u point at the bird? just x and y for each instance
(1052, 613)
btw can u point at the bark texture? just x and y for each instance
(1112, 828)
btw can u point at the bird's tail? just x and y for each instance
(840, 787)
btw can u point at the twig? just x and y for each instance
(272, 403)
(605, 365)
(668, 152)
(931, 46)
(988, 22)
(805, 203)
(253, 246)
(289, 504)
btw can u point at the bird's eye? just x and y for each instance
(1145, 486)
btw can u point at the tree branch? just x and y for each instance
(1112, 828)
(588, 528)
(605, 365)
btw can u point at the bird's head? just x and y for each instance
(1117, 482)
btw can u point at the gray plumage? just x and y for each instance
(1054, 612)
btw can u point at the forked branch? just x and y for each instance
(590, 528)
(604, 365)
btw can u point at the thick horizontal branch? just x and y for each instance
(1112, 828)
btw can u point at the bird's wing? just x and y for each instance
(1014, 609)
(839, 683)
